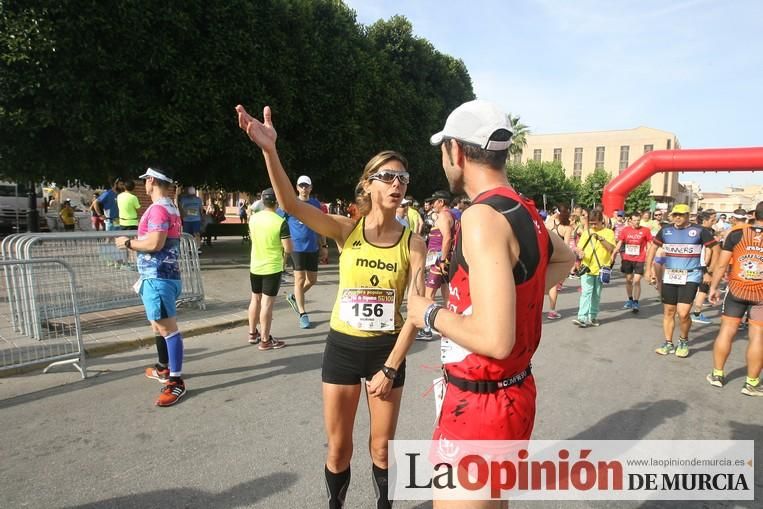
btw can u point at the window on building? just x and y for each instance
(557, 154)
(669, 144)
(599, 158)
(624, 149)
(577, 167)
(518, 158)
(648, 148)
(665, 183)
(536, 154)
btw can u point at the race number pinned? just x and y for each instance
(368, 309)
(438, 386)
(675, 277)
(632, 249)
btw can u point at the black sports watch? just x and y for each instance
(389, 372)
(127, 243)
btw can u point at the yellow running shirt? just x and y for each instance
(266, 230)
(372, 283)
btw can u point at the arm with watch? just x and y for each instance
(381, 383)
(152, 242)
(323, 252)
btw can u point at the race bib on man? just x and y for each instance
(192, 212)
(632, 249)
(438, 386)
(675, 277)
(368, 309)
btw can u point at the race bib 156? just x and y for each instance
(368, 309)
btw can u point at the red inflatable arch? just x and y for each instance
(706, 159)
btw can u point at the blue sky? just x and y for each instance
(692, 67)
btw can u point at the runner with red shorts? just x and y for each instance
(503, 264)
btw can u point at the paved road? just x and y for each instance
(249, 433)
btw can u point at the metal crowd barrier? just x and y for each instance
(103, 275)
(57, 342)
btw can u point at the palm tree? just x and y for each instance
(519, 139)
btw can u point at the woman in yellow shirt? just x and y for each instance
(368, 340)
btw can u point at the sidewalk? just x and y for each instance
(225, 273)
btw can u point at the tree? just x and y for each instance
(519, 136)
(592, 188)
(639, 199)
(93, 89)
(539, 180)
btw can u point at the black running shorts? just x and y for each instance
(268, 284)
(629, 267)
(305, 261)
(734, 307)
(679, 294)
(347, 359)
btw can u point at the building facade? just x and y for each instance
(613, 151)
(745, 197)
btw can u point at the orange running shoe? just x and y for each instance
(171, 393)
(158, 373)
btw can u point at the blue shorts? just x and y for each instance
(192, 227)
(159, 297)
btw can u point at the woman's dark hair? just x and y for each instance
(564, 215)
(595, 216)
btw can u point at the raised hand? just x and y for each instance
(262, 133)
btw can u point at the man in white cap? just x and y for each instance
(190, 211)
(158, 246)
(308, 247)
(503, 263)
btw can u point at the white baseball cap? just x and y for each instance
(157, 174)
(304, 179)
(475, 122)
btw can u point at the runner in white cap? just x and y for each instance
(309, 246)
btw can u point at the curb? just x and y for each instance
(147, 341)
(101, 350)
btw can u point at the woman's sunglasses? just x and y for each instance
(388, 177)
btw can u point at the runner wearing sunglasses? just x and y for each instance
(368, 339)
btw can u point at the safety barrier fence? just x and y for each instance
(57, 341)
(103, 275)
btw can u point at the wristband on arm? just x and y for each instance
(430, 314)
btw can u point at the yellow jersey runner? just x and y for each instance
(372, 283)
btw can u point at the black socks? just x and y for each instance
(336, 486)
(161, 351)
(381, 481)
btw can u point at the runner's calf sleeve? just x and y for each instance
(175, 351)
(381, 482)
(336, 487)
(161, 350)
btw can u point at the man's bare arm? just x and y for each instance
(491, 250)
